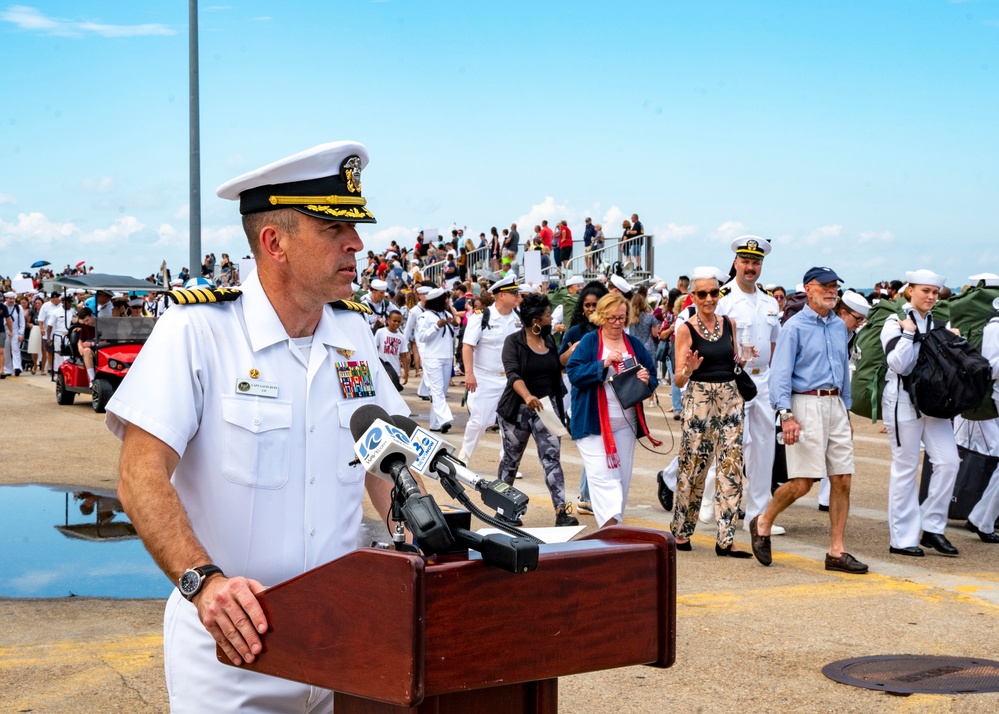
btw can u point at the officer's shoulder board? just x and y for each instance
(351, 305)
(768, 292)
(478, 312)
(201, 296)
(722, 292)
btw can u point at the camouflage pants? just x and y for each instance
(515, 436)
(712, 431)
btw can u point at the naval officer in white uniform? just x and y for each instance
(482, 354)
(757, 323)
(236, 462)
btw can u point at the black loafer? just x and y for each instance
(760, 543)
(824, 509)
(665, 494)
(845, 563)
(684, 546)
(938, 542)
(914, 551)
(985, 537)
(729, 553)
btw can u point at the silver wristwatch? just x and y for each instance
(785, 414)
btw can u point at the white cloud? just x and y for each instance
(35, 228)
(871, 236)
(121, 229)
(729, 231)
(612, 222)
(226, 237)
(168, 236)
(5, 198)
(32, 20)
(546, 210)
(672, 232)
(822, 234)
(104, 184)
(784, 239)
(183, 213)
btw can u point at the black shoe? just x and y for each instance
(665, 494)
(938, 542)
(761, 544)
(446, 428)
(17, 373)
(3, 375)
(729, 553)
(985, 537)
(914, 551)
(742, 514)
(824, 509)
(426, 399)
(684, 546)
(562, 517)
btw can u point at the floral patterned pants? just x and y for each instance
(712, 432)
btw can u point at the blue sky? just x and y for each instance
(860, 135)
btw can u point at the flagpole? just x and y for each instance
(195, 141)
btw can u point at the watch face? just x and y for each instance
(189, 582)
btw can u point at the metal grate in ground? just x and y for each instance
(917, 674)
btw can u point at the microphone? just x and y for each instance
(433, 460)
(384, 450)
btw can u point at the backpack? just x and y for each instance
(950, 375)
(970, 312)
(868, 381)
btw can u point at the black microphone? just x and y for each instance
(384, 450)
(434, 460)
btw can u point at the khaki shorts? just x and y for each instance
(825, 447)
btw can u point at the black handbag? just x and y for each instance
(745, 384)
(630, 390)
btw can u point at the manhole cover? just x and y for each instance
(917, 674)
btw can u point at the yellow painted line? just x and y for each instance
(839, 586)
(125, 653)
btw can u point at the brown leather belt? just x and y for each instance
(820, 392)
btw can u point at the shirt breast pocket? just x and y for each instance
(346, 474)
(256, 435)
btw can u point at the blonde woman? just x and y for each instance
(604, 431)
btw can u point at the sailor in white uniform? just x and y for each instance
(236, 457)
(482, 354)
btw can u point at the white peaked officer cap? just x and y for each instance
(323, 182)
(507, 285)
(620, 283)
(856, 302)
(752, 246)
(924, 277)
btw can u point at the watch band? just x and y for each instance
(189, 587)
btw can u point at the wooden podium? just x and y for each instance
(392, 632)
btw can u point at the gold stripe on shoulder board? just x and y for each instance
(201, 296)
(351, 305)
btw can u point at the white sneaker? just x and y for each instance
(462, 456)
(519, 475)
(708, 517)
(774, 529)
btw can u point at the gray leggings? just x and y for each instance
(515, 438)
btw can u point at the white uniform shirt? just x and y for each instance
(390, 345)
(379, 311)
(435, 342)
(409, 332)
(488, 344)
(43, 314)
(990, 351)
(265, 481)
(757, 319)
(17, 320)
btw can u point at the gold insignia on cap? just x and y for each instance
(347, 354)
(351, 169)
(254, 373)
(753, 245)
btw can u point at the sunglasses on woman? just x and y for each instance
(701, 294)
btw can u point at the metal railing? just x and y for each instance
(636, 256)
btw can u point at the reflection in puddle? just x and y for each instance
(60, 542)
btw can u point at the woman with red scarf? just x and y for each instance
(604, 432)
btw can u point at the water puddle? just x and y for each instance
(72, 541)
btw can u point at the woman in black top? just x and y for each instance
(706, 355)
(533, 372)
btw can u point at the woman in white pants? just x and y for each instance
(907, 430)
(435, 333)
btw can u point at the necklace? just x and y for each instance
(710, 335)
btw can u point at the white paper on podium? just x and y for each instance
(547, 535)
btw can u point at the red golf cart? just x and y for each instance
(118, 341)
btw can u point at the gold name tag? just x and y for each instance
(256, 388)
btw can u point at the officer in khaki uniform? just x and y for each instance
(236, 458)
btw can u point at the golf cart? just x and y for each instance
(117, 341)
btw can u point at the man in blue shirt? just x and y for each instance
(810, 388)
